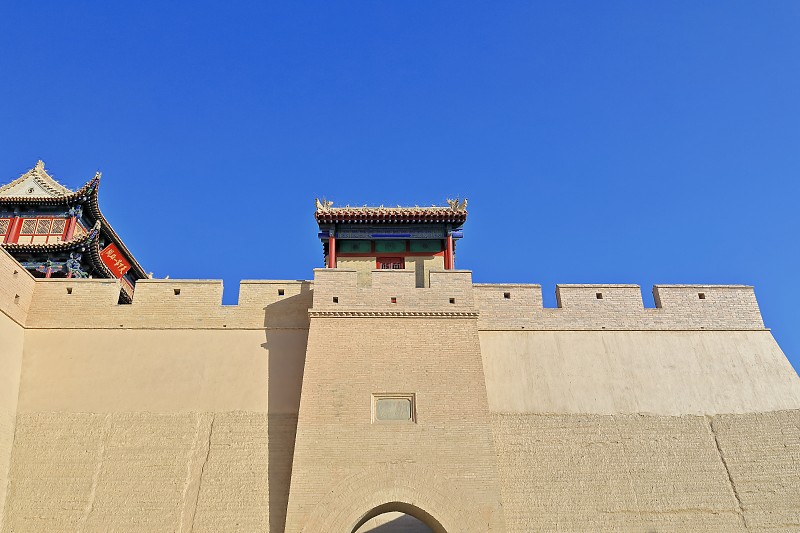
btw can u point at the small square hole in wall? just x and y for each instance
(394, 300)
(507, 295)
(599, 295)
(452, 300)
(69, 290)
(336, 299)
(701, 295)
(280, 292)
(177, 292)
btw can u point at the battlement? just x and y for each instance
(16, 288)
(167, 303)
(618, 307)
(393, 291)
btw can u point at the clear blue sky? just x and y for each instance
(597, 142)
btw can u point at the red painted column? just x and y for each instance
(332, 252)
(13, 231)
(70, 231)
(450, 263)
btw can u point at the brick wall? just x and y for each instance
(679, 307)
(587, 473)
(345, 464)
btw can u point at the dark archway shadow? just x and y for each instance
(411, 510)
(286, 331)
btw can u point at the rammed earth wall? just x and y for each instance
(177, 413)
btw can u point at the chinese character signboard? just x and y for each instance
(114, 260)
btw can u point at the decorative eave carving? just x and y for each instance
(454, 213)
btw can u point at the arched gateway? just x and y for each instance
(422, 521)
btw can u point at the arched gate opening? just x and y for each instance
(418, 521)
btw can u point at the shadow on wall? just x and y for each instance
(286, 330)
(394, 523)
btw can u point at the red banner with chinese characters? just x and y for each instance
(114, 260)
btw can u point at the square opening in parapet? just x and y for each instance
(507, 295)
(599, 295)
(177, 292)
(701, 295)
(280, 292)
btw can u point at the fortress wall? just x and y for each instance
(167, 304)
(587, 473)
(620, 307)
(421, 265)
(157, 405)
(387, 284)
(346, 462)
(188, 408)
(658, 372)
(196, 426)
(363, 265)
(11, 343)
(16, 290)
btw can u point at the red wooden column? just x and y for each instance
(449, 259)
(332, 251)
(70, 231)
(13, 231)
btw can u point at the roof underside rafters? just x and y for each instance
(455, 213)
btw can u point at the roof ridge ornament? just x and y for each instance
(40, 184)
(457, 204)
(324, 205)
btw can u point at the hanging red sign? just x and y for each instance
(114, 260)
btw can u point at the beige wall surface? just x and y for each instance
(177, 413)
(345, 464)
(658, 372)
(11, 342)
(140, 472)
(587, 473)
(197, 427)
(162, 370)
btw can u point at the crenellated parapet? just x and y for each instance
(392, 293)
(618, 307)
(167, 303)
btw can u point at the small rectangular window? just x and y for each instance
(336, 299)
(599, 295)
(280, 292)
(507, 295)
(701, 295)
(390, 263)
(177, 292)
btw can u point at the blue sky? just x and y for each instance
(597, 142)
